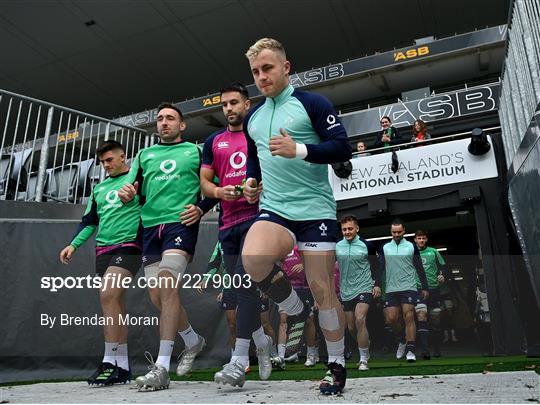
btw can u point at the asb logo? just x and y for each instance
(223, 144)
(238, 160)
(167, 166)
(411, 53)
(112, 196)
(323, 228)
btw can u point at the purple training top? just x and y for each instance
(297, 279)
(225, 152)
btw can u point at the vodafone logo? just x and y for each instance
(332, 122)
(112, 196)
(237, 160)
(167, 166)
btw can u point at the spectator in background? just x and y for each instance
(388, 136)
(361, 148)
(419, 132)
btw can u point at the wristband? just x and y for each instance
(301, 151)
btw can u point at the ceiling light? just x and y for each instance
(389, 237)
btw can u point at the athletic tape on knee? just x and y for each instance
(151, 271)
(420, 307)
(328, 319)
(173, 263)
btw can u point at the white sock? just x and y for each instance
(165, 353)
(111, 352)
(364, 353)
(122, 356)
(292, 305)
(273, 352)
(241, 351)
(312, 350)
(190, 337)
(260, 338)
(281, 350)
(335, 351)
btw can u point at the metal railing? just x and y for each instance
(520, 90)
(48, 151)
(439, 139)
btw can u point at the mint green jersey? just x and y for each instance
(432, 261)
(401, 262)
(355, 275)
(116, 223)
(297, 189)
(168, 176)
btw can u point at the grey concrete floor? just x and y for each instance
(507, 387)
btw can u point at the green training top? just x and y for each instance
(355, 275)
(168, 176)
(432, 261)
(116, 222)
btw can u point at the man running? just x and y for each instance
(360, 282)
(224, 157)
(292, 137)
(401, 261)
(118, 257)
(435, 268)
(165, 176)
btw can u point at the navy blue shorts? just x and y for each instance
(232, 242)
(362, 298)
(315, 235)
(157, 239)
(397, 298)
(229, 301)
(433, 300)
(126, 257)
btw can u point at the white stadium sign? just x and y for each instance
(419, 167)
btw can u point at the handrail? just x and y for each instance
(94, 117)
(424, 142)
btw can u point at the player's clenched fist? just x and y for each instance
(128, 192)
(251, 190)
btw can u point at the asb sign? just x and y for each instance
(419, 167)
(473, 100)
(411, 53)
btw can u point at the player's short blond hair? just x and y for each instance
(265, 43)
